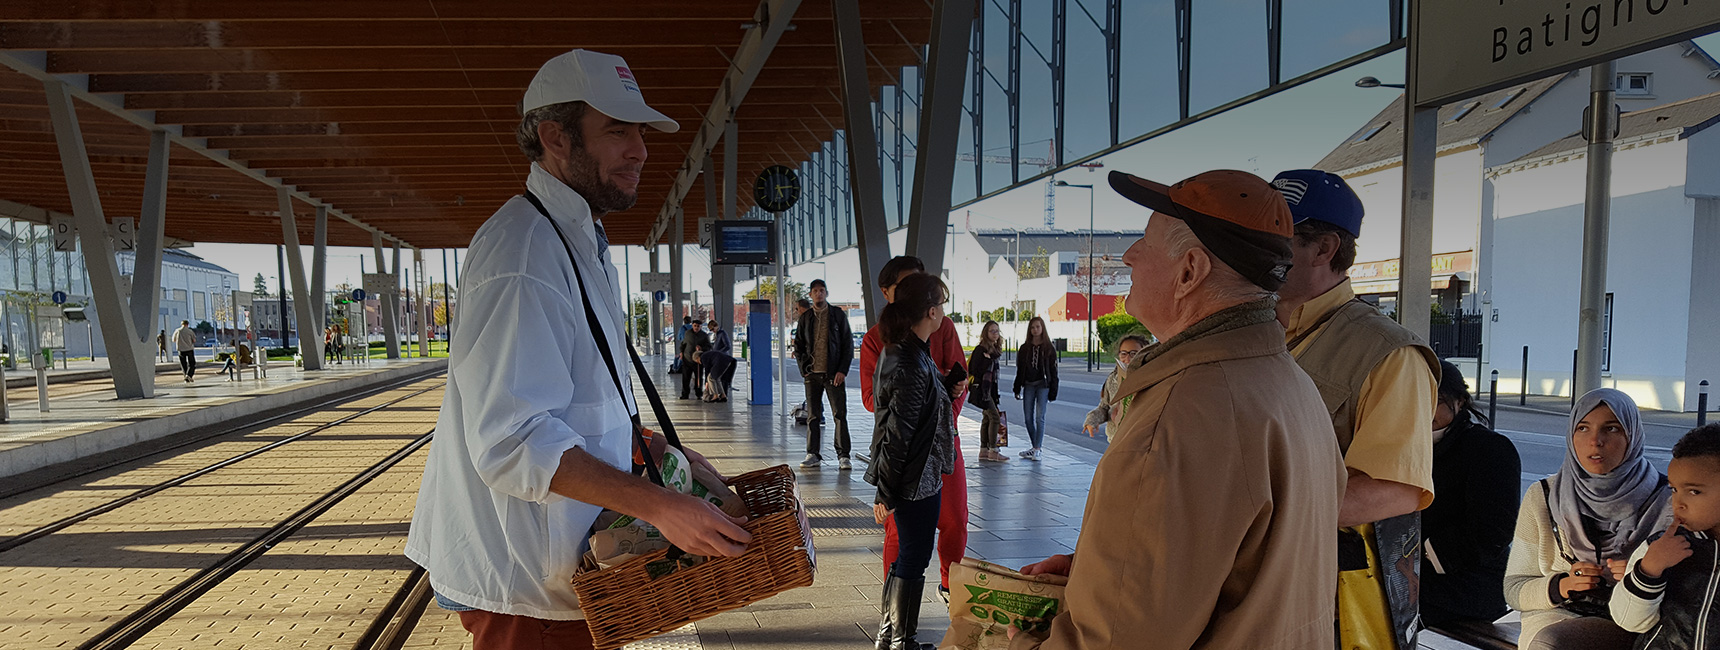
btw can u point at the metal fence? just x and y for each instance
(1459, 337)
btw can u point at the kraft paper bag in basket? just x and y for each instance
(985, 599)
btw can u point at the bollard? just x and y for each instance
(1480, 366)
(1702, 404)
(42, 389)
(1493, 400)
(1523, 392)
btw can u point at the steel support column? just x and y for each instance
(151, 233)
(723, 275)
(940, 118)
(418, 302)
(677, 266)
(871, 233)
(656, 316)
(1113, 65)
(126, 357)
(1420, 146)
(394, 269)
(319, 268)
(1597, 218)
(310, 329)
(386, 303)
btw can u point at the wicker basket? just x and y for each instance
(624, 603)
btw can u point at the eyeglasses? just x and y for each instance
(1127, 354)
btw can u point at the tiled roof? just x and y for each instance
(1686, 117)
(1386, 144)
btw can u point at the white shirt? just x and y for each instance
(184, 339)
(526, 383)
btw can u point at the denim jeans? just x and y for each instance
(1034, 401)
(916, 530)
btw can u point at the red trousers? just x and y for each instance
(492, 631)
(952, 523)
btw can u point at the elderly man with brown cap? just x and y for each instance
(535, 437)
(1212, 516)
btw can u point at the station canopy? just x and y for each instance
(398, 113)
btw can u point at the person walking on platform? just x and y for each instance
(1111, 406)
(680, 337)
(535, 436)
(983, 393)
(721, 367)
(913, 449)
(693, 346)
(185, 342)
(946, 347)
(1036, 374)
(331, 337)
(1213, 514)
(161, 340)
(1378, 383)
(824, 350)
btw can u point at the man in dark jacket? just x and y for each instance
(824, 348)
(693, 345)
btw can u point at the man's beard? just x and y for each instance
(604, 197)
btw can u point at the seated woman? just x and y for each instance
(1577, 528)
(1466, 533)
(240, 357)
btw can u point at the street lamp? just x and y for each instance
(1090, 269)
(1371, 82)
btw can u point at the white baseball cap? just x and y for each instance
(601, 80)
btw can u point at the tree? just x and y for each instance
(641, 317)
(260, 286)
(1116, 325)
(204, 328)
(1038, 266)
(766, 290)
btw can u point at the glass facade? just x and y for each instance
(1053, 82)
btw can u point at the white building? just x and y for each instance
(1662, 311)
(1487, 132)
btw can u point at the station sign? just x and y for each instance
(65, 234)
(123, 231)
(358, 295)
(59, 297)
(649, 281)
(1465, 48)
(378, 283)
(660, 296)
(707, 226)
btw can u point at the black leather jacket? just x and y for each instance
(907, 390)
(841, 341)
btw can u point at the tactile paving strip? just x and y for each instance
(840, 517)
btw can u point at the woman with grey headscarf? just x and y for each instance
(1577, 528)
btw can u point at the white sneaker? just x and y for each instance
(1032, 454)
(812, 460)
(1026, 453)
(843, 463)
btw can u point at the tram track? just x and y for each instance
(162, 608)
(115, 504)
(254, 425)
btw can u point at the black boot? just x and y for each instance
(902, 614)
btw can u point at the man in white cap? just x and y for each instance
(535, 434)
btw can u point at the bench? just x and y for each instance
(1487, 636)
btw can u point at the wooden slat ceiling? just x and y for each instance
(401, 113)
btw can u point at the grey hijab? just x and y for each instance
(1630, 503)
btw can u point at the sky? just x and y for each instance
(1290, 130)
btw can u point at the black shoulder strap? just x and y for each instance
(609, 357)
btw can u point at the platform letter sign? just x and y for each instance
(1465, 48)
(705, 227)
(377, 284)
(649, 281)
(65, 234)
(124, 234)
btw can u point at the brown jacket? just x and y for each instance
(1213, 514)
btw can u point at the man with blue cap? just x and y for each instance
(1379, 382)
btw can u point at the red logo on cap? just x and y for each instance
(625, 73)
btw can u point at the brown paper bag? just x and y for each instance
(986, 599)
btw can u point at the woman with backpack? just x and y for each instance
(1036, 374)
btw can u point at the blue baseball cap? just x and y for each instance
(1321, 196)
